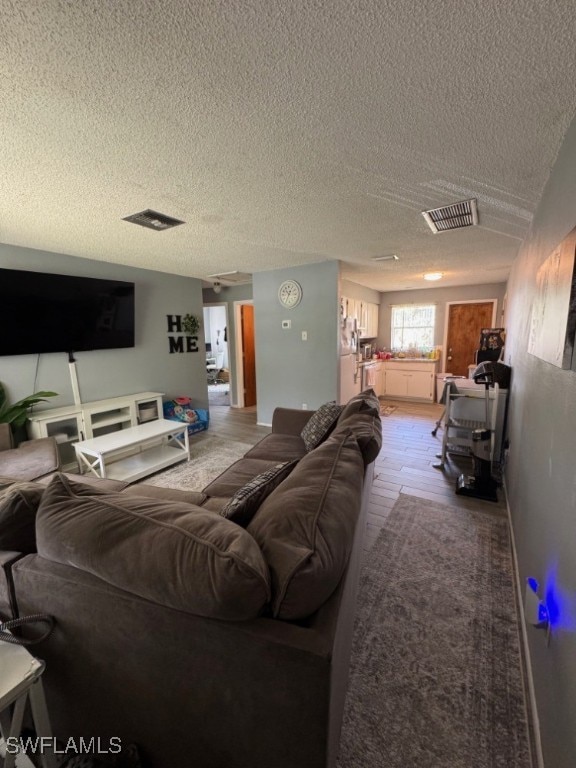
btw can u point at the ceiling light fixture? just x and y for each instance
(217, 287)
(391, 257)
(433, 276)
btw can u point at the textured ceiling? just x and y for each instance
(282, 132)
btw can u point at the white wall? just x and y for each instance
(541, 470)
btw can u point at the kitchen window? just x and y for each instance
(413, 326)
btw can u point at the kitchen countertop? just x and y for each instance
(401, 360)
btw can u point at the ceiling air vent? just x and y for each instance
(153, 220)
(455, 216)
(232, 278)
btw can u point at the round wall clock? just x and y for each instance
(290, 294)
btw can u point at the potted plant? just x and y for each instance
(17, 414)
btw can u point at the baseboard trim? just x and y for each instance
(532, 708)
(263, 424)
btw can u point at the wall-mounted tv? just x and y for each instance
(41, 312)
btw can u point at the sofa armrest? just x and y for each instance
(31, 460)
(289, 421)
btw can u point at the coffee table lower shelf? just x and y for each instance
(144, 463)
(110, 456)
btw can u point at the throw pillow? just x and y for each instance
(320, 424)
(19, 503)
(244, 504)
(172, 553)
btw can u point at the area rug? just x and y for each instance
(435, 677)
(209, 456)
(218, 398)
(386, 410)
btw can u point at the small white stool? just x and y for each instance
(20, 679)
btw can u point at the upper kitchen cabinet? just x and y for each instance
(368, 319)
(372, 311)
(365, 313)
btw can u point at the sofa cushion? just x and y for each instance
(242, 507)
(165, 494)
(236, 476)
(361, 415)
(320, 424)
(278, 447)
(305, 527)
(172, 553)
(19, 501)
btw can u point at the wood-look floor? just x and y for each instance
(403, 466)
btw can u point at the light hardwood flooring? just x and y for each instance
(404, 465)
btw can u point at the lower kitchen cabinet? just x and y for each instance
(411, 380)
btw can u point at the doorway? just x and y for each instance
(245, 353)
(464, 321)
(217, 353)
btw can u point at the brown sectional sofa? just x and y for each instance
(204, 642)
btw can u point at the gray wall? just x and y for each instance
(356, 291)
(149, 366)
(541, 470)
(289, 371)
(438, 296)
(230, 295)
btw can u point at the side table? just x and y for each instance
(20, 680)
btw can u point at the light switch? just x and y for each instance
(304, 335)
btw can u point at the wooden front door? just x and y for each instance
(465, 322)
(248, 354)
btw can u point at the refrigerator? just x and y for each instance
(350, 373)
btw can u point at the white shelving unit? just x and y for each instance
(75, 423)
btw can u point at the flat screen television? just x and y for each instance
(41, 312)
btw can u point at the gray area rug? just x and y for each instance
(209, 456)
(435, 678)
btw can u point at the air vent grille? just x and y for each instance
(153, 220)
(455, 216)
(232, 278)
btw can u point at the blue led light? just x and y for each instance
(533, 584)
(560, 603)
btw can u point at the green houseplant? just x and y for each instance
(17, 414)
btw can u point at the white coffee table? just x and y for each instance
(130, 454)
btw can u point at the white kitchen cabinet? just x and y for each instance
(372, 320)
(380, 380)
(366, 314)
(414, 380)
(368, 319)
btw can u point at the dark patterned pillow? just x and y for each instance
(244, 504)
(320, 424)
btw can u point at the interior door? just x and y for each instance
(248, 354)
(465, 322)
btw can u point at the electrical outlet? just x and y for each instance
(286, 324)
(304, 406)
